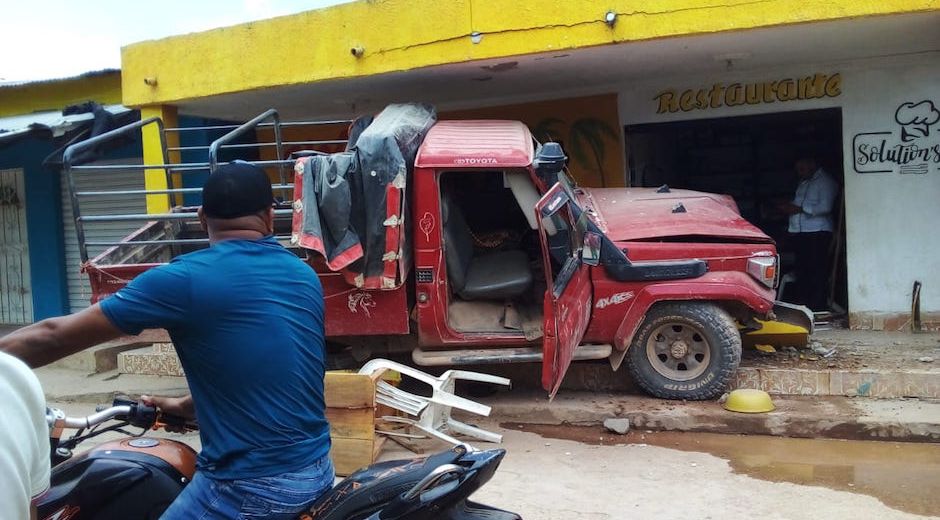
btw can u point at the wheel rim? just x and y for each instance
(678, 351)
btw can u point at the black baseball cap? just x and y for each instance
(235, 190)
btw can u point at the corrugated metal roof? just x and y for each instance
(468, 144)
(90, 74)
(53, 120)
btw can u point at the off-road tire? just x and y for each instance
(713, 325)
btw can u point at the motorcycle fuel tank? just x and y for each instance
(130, 478)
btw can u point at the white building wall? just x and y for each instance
(892, 218)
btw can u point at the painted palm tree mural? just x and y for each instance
(584, 140)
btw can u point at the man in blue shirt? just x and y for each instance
(246, 317)
(810, 227)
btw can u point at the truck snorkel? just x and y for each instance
(549, 161)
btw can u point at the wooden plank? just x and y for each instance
(351, 454)
(382, 410)
(348, 390)
(351, 423)
(377, 446)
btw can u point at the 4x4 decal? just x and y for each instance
(615, 299)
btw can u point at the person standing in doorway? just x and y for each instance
(810, 228)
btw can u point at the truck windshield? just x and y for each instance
(568, 184)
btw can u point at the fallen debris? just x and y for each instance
(925, 359)
(617, 425)
(823, 351)
(766, 349)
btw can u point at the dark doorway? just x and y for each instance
(752, 159)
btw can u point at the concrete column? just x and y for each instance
(153, 141)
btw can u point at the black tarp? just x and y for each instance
(351, 207)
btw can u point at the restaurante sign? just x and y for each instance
(734, 94)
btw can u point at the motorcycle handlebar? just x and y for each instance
(134, 412)
(96, 418)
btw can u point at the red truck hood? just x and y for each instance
(642, 214)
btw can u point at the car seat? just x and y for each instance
(488, 276)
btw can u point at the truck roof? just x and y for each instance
(476, 143)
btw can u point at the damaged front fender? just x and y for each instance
(788, 318)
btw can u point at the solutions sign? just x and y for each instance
(913, 147)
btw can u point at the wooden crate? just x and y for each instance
(351, 410)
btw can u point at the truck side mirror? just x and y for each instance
(591, 251)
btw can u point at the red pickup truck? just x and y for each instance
(487, 252)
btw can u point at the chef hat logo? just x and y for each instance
(915, 119)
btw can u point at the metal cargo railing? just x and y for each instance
(181, 215)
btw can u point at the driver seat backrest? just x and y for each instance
(458, 244)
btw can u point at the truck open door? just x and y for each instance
(568, 302)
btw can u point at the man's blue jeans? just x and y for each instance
(271, 498)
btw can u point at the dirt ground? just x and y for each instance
(855, 350)
(546, 477)
(543, 478)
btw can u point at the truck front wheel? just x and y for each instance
(685, 350)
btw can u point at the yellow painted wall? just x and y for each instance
(398, 35)
(553, 120)
(296, 134)
(104, 88)
(333, 132)
(156, 179)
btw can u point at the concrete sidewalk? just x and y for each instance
(882, 365)
(68, 385)
(908, 420)
(914, 420)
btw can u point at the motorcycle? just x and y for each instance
(139, 476)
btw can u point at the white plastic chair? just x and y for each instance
(433, 413)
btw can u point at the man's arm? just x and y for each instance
(789, 208)
(55, 338)
(822, 197)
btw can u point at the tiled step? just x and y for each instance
(156, 360)
(876, 383)
(880, 383)
(164, 348)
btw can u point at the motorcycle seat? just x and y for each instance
(367, 490)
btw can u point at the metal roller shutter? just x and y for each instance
(79, 289)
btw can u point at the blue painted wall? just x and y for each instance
(43, 225)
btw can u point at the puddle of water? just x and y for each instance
(904, 476)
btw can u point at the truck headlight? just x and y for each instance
(763, 269)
